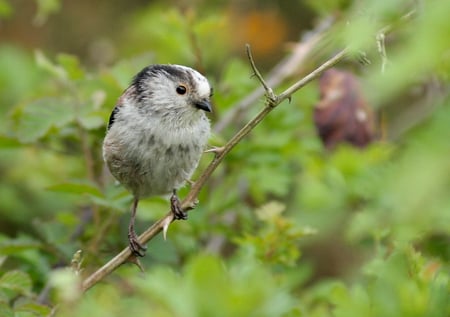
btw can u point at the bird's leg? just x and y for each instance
(175, 206)
(137, 248)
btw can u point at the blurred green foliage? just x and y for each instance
(283, 228)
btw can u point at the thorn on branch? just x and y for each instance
(216, 150)
(165, 225)
(135, 260)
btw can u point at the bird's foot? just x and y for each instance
(135, 246)
(175, 206)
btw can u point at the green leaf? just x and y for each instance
(5, 310)
(5, 10)
(71, 65)
(35, 120)
(17, 281)
(36, 309)
(92, 120)
(77, 188)
(8, 143)
(12, 247)
(45, 8)
(43, 62)
(270, 211)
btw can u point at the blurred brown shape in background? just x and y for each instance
(342, 115)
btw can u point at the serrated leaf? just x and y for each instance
(77, 188)
(36, 119)
(43, 62)
(17, 281)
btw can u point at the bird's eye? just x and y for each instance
(181, 89)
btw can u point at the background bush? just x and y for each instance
(284, 227)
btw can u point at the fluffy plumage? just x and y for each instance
(157, 133)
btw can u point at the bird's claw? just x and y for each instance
(135, 246)
(175, 206)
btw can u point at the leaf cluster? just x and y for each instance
(284, 226)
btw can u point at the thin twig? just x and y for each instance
(382, 51)
(190, 201)
(269, 92)
(381, 37)
(403, 19)
(286, 68)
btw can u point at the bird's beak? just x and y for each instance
(204, 105)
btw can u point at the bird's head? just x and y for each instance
(171, 90)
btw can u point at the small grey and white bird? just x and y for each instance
(156, 135)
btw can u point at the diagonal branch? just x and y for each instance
(190, 201)
(283, 70)
(311, 76)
